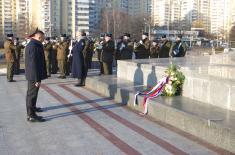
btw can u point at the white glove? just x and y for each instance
(141, 42)
(70, 55)
(122, 46)
(70, 48)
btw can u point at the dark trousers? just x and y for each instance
(82, 80)
(101, 68)
(31, 98)
(108, 68)
(17, 66)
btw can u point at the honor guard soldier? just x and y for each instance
(142, 49)
(18, 53)
(107, 54)
(118, 48)
(127, 47)
(98, 50)
(155, 49)
(10, 56)
(62, 53)
(79, 63)
(47, 52)
(178, 49)
(164, 47)
(54, 63)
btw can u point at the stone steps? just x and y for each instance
(214, 125)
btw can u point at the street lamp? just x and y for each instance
(149, 26)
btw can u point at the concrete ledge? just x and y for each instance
(214, 125)
(213, 84)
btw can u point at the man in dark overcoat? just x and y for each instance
(35, 72)
(79, 66)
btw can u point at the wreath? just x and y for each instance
(175, 82)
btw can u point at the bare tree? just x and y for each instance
(119, 22)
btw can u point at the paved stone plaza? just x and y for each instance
(80, 121)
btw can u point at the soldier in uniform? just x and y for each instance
(47, 52)
(178, 49)
(62, 52)
(119, 47)
(10, 56)
(54, 63)
(155, 49)
(98, 49)
(127, 47)
(81, 53)
(18, 48)
(107, 54)
(89, 51)
(142, 49)
(165, 47)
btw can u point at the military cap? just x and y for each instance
(108, 35)
(9, 35)
(146, 34)
(127, 35)
(63, 35)
(180, 36)
(164, 36)
(102, 35)
(47, 38)
(121, 37)
(17, 38)
(83, 33)
(155, 40)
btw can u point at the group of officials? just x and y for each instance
(44, 56)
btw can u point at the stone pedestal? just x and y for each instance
(209, 79)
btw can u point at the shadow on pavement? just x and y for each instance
(74, 104)
(82, 111)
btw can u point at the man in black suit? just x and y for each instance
(35, 71)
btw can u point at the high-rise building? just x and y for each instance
(83, 15)
(181, 14)
(1, 21)
(22, 16)
(8, 13)
(139, 7)
(222, 17)
(160, 10)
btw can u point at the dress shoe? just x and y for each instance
(79, 85)
(11, 81)
(35, 119)
(36, 116)
(38, 109)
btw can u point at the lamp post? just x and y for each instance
(149, 27)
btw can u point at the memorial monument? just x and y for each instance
(206, 108)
